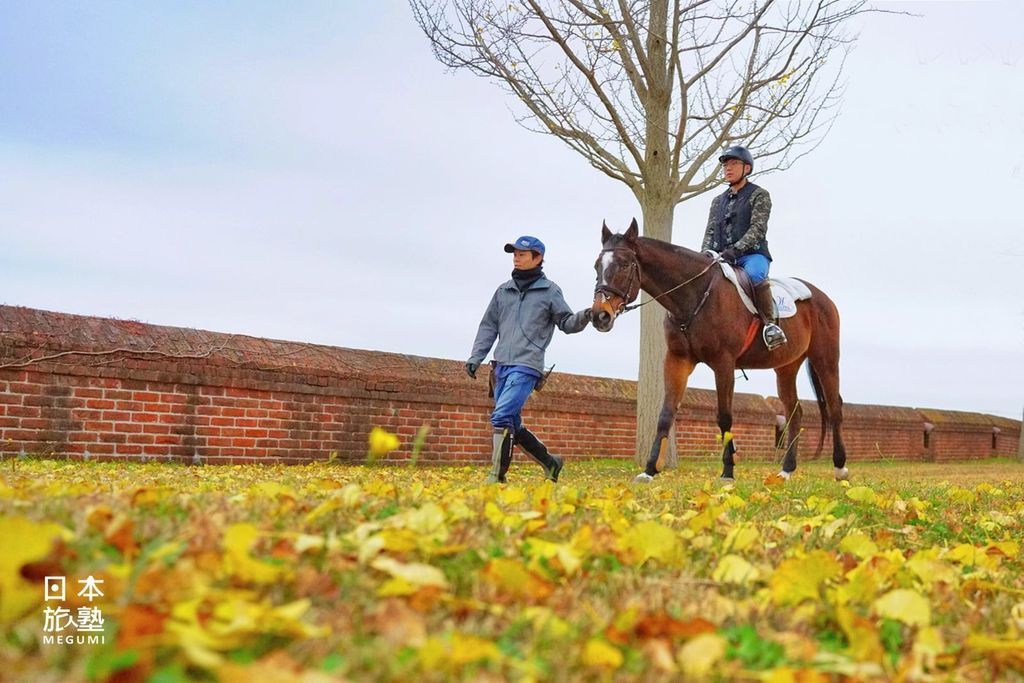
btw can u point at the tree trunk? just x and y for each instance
(658, 204)
(650, 391)
(1020, 444)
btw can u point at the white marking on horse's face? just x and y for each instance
(606, 261)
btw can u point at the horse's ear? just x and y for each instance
(633, 231)
(606, 234)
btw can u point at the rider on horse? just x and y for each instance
(736, 229)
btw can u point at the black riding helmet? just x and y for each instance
(741, 153)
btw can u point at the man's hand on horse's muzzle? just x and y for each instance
(471, 368)
(729, 254)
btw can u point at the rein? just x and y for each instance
(635, 269)
(669, 291)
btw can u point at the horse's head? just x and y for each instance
(618, 276)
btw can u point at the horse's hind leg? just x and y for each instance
(825, 374)
(677, 372)
(785, 381)
(829, 379)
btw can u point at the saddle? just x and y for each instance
(785, 290)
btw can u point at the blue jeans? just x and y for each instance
(756, 266)
(510, 394)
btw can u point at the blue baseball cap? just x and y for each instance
(526, 243)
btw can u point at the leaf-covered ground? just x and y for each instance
(329, 572)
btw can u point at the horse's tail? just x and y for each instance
(822, 407)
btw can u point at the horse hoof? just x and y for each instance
(785, 475)
(726, 481)
(643, 478)
(842, 474)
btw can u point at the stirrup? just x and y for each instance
(773, 336)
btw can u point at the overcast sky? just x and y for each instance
(307, 171)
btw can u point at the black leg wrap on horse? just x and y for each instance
(652, 461)
(728, 460)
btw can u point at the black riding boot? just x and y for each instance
(536, 449)
(772, 334)
(501, 456)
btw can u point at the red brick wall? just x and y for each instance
(81, 386)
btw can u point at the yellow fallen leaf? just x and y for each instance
(456, 651)
(741, 538)
(904, 605)
(650, 540)
(600, 654)
(858, 543)
(237, 542)
(800, 578)
(1008, 549)
(415, 573)
(565, 554)
(862, 634)
(862, 494)
(515, 580)
(511, 495)
(736, 570)
(24, 541)
(382, 442)
(699, 656)
(982, 643)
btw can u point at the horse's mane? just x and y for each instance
(674, 249)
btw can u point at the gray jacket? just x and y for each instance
(524, 323)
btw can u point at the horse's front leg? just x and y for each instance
(677, 372)
(725, 379)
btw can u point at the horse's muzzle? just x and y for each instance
(602, 316)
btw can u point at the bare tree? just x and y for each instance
(650, 91)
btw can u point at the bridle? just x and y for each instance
(630, 296)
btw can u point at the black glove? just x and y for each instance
(729, 254)
(471, 368)
(588, 314)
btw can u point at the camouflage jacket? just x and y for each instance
(740, 221)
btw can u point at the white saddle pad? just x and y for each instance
(785, 290)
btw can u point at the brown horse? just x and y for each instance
(707, 322)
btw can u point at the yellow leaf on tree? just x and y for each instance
(904, 605)
(736, 570)
(599, 654)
